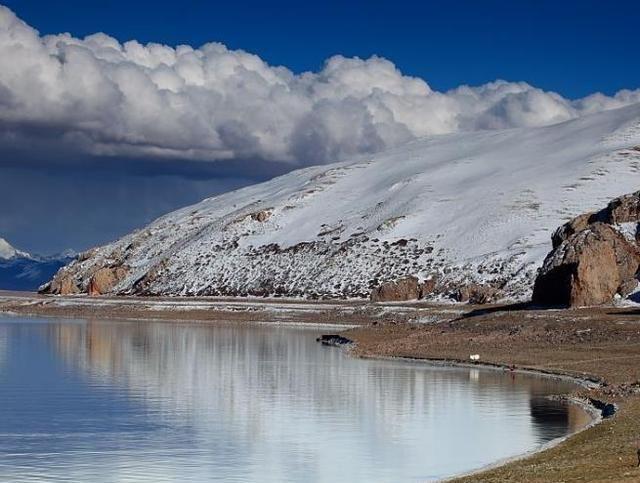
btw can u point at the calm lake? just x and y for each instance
(155, 402)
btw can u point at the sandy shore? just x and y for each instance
(600, 347)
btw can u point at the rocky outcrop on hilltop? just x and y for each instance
(595, 257)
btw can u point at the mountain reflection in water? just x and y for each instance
(145, 401)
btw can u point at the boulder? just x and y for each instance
(624, 209)
(62, 284)
(261, 216)
(576, 225)
(428, 287)
(406, 288)
(475, 293)
(105, 279)
(588, 268)
(335, 340)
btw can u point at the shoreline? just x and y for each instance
(553, 344)
(595, 415)
(596, 418)
(585, 382)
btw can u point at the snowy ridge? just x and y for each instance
(20, 270)
(8, 252)
(464, 207)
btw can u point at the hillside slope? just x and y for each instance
(471, 207)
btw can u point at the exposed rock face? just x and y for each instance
(105, 279)
(592, 260)
(101, 281)
(261, 216)
(428, 287)
(62, 284)
(576, 225)
(475, 293)
(406, 288)
(623, 209)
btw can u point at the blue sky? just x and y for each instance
(112, 137)
(572, 47)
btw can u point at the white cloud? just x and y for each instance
(102, 97)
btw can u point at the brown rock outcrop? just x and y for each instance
(589, 267)
(261, 216)
(475, 293)
(592, 260)
(62, 284)
(428, 287)
(624, 209)
(105, 279)
(406, 288)
(573, 226)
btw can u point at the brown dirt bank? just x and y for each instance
(601, 344)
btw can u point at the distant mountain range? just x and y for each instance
(452, 210)
(20, 270)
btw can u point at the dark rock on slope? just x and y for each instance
(476, 293)
(407, 288)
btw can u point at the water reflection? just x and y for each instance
(3, 346)
(132, 401)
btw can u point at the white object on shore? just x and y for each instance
(474, 357)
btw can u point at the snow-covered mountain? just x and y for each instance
(469, 207)
(20, 270)
(7, 251)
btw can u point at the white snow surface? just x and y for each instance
(466, 207)
(8, 252)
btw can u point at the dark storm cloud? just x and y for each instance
(99, 137)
